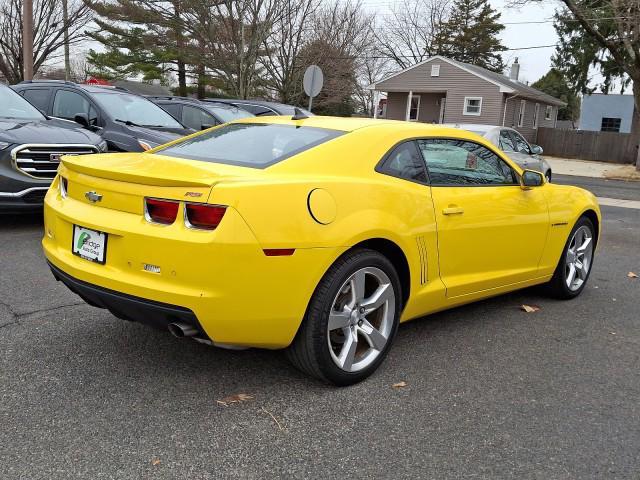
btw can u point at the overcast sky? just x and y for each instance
(534, 63)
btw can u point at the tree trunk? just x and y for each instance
(201, 81)
(182, 79)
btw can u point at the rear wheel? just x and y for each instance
(351, 320)
(547, 175)
(574, 267)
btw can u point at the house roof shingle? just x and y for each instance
(511, 85)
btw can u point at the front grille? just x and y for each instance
(41, 161)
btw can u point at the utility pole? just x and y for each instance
(27, 38)
(65, 20)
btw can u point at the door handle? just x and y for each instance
(452, 211)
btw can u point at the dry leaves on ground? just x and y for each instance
(399, 385)
(632, 275)
(156, 461)
(237, 398)
(529, 308)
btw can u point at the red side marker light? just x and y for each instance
(203, 216)
(161, 211)
(278, 252)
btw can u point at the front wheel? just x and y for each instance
(351, 320)
(574, 267)
(547, 175)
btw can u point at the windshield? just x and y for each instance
(227, 114)
(12, 105)
(137, 110)
(249, 144)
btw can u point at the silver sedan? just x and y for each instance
(513, 144)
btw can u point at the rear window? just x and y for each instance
(255, 145)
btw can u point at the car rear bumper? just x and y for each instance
(128, 307)
(221, 279)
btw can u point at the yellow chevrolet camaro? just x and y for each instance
(318, 235)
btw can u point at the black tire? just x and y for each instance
(548, 176)
(310, 351)
(557, 286)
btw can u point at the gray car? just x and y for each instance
(513, 144)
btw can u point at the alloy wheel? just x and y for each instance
(578, 258)
(361, 319)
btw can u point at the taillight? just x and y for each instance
(203, 216)
(63, 187)
(161, 211)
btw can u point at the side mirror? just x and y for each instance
(82, 119)
(205, 126)
(536, 149)
(530, 179)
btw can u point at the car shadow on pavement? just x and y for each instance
(12, 221)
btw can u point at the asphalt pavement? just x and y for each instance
(491, 392)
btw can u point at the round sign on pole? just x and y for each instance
(312, 82)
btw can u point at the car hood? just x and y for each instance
(44, 131)
(159, 137)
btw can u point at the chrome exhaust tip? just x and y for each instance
(182, 330)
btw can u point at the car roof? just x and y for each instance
(349, 124)
(474, 127)
(87, 88)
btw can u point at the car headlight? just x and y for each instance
(147, 144)
(4, 145)
(102, 146)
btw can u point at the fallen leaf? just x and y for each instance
(632, 275)
(155, 462)
(529, 308)
(399, 385)
(273, 417)
(237, 398)
(612, 333)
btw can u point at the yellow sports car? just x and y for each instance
(314, 234)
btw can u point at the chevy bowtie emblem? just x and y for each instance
(93, 197)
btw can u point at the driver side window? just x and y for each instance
(506, 142)
(68, 104)
(460, 162)
(521, 144)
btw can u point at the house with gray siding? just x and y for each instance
(607, 113)
(441, 90)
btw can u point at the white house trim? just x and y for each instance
(474, 114)
(503, 88)
(408, 112)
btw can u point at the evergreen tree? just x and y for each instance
(141, 37)
(471, 35)
(555, 83)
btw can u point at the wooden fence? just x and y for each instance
(600, 146)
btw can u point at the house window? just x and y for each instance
(435, 70)
(414, 109)
(523, 106)
(610, 124)
(548, 112)
(472, 106)
(536, 112)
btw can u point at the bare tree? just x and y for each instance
(233, 34)
(341, 35)
(615, 26)
(411, 33)
(48, 33)
(282, 62)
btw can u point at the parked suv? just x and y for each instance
(128, 122)
(30, 148)
(200, 115)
